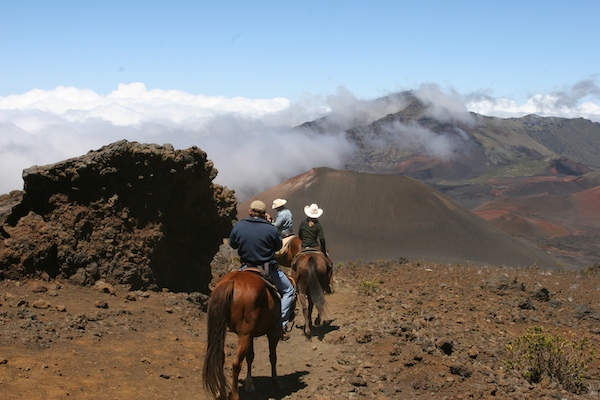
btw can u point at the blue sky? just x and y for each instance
(77, 74)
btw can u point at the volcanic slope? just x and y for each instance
(384, 217)
(560, 215)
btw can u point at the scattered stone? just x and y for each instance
(101, 304)
(473, 352)
(105, 287)
(358, 381)
(39, 288)
(527, 304)
(461, 370)
(542, 294)
(41, 304)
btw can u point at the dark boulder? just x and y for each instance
(144, 215)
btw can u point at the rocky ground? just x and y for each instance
(397, 331)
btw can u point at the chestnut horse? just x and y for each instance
(312, 275)
(242, 303)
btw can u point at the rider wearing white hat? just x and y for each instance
(283, 221)
(310, 230)
(313, 236)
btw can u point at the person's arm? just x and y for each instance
(277, 241)
(301, 230)
(278, 221)
(233, 239)
(322, 239)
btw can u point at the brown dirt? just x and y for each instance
(397, 331)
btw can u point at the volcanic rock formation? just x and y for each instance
(139, 214)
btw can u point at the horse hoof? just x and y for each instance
(277, 383)
(249, 385)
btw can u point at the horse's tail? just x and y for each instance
(218, 315)
(315, 291)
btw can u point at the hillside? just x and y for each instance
(533, 177)
(437, 145)
(378, 216)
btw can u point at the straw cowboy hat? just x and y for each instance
(278, 203)
(313, 211)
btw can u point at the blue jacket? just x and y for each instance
(256, 240)
(283, 222)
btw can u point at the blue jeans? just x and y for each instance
(286, 289)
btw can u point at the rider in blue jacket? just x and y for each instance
(256, 241)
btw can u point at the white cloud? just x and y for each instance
(249, 140)
(579, 101)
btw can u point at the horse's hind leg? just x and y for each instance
(249, 384)
(273, 359)
(304, 303)
(310, 311)
(244, 343)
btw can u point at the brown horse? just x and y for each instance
(312, 274)
(242, 303)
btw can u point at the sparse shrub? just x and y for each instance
(369, 287)
(559, 266)
(564, 360)
(594, 269)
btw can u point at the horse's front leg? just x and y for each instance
(244, 341)
(273, 359)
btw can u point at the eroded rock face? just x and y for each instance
(138, 214)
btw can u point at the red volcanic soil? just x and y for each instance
(588, 202)
(376, 216)
(518, 225)
(411, 331)
(560, 214)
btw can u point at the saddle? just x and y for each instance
(315, 250)
(265, 277)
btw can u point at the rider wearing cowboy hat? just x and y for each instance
(313, 236)
(283, 221)
(310, 230)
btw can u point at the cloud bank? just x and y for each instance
(251, 141)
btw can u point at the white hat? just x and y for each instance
(258, 206)
(313, 211)
(278, 203)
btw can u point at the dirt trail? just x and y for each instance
(398, 331)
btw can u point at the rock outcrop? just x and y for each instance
(144, 215)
